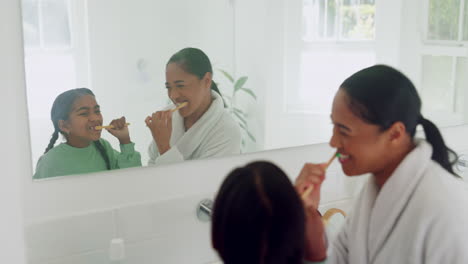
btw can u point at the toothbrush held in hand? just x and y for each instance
(307, 192)
(109, 126)
(182, 105)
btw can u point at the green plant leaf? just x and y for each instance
(237, 110)
(243, 126)
(227, 75)
(241, 118)
(228, 101)
(240, 82)
(249, 91)
(251, 136)
(248, 133)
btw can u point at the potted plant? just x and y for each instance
(231, 99)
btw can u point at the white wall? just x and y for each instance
(14, 155)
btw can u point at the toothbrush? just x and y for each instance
(179, 107)
(109, 126)
(309, 189)
(182, 105)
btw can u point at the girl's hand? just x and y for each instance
(160, 124)
(120, 130)
(311, 176)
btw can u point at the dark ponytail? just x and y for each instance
(381, 95)
(215, 88)
(196, 62)
(440, 153)
(61, 109)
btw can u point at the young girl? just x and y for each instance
(201, 129)
(414, 208)
(76, 114)
(258, 217)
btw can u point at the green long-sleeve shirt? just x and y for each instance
(65, 159)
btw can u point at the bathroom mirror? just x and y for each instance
(277, 75)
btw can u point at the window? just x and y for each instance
(446, 20)
(46, 24)
(56, 59)
(338, 20)
(444, 59)
(55, 50)
(337, 40)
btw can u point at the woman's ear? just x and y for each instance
(64, 126)
(207, 79)
(397, 132)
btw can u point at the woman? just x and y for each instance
(201, 129)
(413, 209)
(258, 217)
(75, 114)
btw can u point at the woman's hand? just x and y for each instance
(312, 176)
(160, 124)
(120, 130)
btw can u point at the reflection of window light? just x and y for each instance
(337, 40)
(46, 24)
(321, 74)
(447, 20)
(51, 58)
(338, 20)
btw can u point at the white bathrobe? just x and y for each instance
(419, 216)
(215, 134)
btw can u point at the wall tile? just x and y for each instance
(160, 219)
(186, 245)
(97, 257)
(69, 236)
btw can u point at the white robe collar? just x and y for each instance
(384, 207)
(188, 141)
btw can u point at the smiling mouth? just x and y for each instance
(343, 158)
(93, 128)
(179, 106)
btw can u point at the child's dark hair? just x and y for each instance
(381, 95)
(258, 218)
(196, 62)
(61, 110)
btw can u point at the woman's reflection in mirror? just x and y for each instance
(203, 128)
